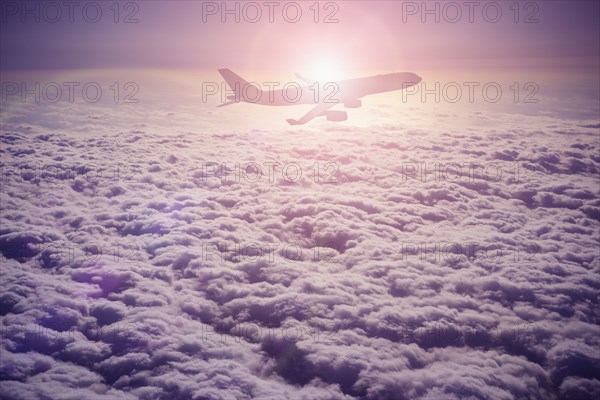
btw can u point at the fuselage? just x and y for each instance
(330, 92)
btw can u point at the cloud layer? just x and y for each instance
(377, 263)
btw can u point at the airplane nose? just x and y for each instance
(418, 78)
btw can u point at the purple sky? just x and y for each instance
(368, 35)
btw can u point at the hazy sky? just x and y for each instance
(371, 34)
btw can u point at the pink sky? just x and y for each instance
(369, 35)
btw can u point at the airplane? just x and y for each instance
(324, 94)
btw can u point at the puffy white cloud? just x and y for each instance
(403, 263)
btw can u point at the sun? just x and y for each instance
(325, 69)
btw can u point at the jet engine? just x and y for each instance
(353, 103)
(337, 116)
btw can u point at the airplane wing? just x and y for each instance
(316, 111)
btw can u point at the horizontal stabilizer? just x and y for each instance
(228, 103)
(310, 81)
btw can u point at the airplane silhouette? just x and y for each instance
(324, 94)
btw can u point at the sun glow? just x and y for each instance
(325, 69)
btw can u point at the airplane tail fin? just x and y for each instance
(238, 84)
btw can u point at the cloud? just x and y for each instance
(137, 270)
